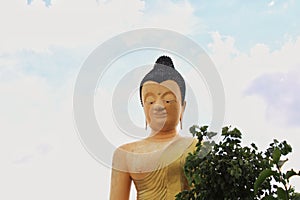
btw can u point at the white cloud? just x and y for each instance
(175, 16)
(241, 67)
(280, 92)
(42, 157)
(67, 23)
(240, 70)
(72, 23)
(271, 3)
(46, 159)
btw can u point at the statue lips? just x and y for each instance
(160, 114)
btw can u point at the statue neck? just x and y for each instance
(163, 135)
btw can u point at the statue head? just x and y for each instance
(162, 94)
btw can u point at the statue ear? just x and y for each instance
(182, 109)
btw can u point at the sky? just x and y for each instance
(254, 46)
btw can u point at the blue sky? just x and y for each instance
(269, 22)
(47, 2)
(251, 22)
(254, 46)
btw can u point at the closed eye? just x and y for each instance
(150, 99)
(169, 101)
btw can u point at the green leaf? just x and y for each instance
(227, 170)
(296, 196)
(241, 162)
(261, 178)
(193, 130)
(270, 197)
(203, 128)
(225, 130)
(236, 133)
(211, 134)
(281, 193)
(276, 155)
(291, 173)
(204, 150)
(281, 162)
(254, 146)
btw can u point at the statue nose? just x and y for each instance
(158, 107)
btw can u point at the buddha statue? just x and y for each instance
(155, 163)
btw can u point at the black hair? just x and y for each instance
(164, 70)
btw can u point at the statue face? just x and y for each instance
(162, 104)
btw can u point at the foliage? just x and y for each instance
(229, 171)
(281, 189)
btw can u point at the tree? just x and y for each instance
(229, 171)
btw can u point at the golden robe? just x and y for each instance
(167, 181)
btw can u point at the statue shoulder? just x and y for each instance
(120, 157)
(192, 143)
(132, 146)
(191, 140)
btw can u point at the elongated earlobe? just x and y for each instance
(180, 124)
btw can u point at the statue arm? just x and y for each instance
(120, 177)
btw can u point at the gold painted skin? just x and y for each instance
(154, 164)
